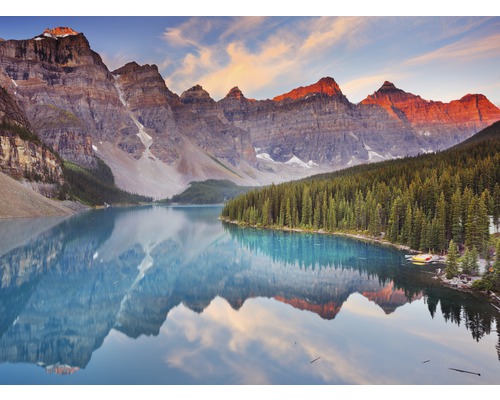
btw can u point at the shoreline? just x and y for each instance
(455, 283)
(357, 236)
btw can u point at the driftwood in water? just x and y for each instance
(467, 372)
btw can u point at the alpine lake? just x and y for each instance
(173, 296)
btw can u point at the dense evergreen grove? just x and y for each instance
(211, 191)
(95, 186)
(423, 202)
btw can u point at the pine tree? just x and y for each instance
(469, 262)
(465, 262)
(266, 220)
(496, 265)
(306, 207)
(483, 222)
(451, 268)
(441, 231)
(496, 206)
(474, 266)
(456, 216)
(288, 213)
(471, 236)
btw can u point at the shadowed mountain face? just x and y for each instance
(156, 141)
(64, 288)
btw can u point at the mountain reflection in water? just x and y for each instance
(67, 285)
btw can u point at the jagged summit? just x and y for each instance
(388, 86)
(235, 93)
(195, 94)
(127, 68)
(325, 85)
(61, 31)
(388, 92)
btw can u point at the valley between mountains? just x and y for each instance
(62, 109)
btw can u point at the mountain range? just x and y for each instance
(57, 89)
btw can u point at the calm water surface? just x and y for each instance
(161, 295)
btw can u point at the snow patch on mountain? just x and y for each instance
(146, 139)
(296, 161)
(374, 155)
(265, 157)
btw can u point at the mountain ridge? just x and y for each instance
(157, 141)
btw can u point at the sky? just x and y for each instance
(440, 58)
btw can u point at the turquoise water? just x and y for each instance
(160, 295)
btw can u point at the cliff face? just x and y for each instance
(201, 119)
(64, 89)
(326, 86)
(318, 124)
(440, 124)
(22, 155)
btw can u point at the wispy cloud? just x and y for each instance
(326, 32)
(233, 57)
(189, 33)
(243, 26)
(465, 50)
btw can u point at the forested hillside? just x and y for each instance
(95, 186)
(212, 191)
(422, 202)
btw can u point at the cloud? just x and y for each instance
(328, 31)
(228, 53)
(189, 33)
(243, 26)
(465, 50)
(249, 70)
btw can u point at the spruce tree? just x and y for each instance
(451, 268)
(456, 216)
(496, 266)
(496, 206)
(465, 262)
(474, 266)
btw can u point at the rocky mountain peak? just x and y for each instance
(389, 90)
(60, 31)
(127, 68)
(387, 86)
(388, 94)
(235, 93)
(474, 97)
(63, 50)
(196, 94)
(325, 85)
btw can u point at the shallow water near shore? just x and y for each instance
(171, 295)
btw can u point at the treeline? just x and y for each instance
(95, 186)
(423, 202)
